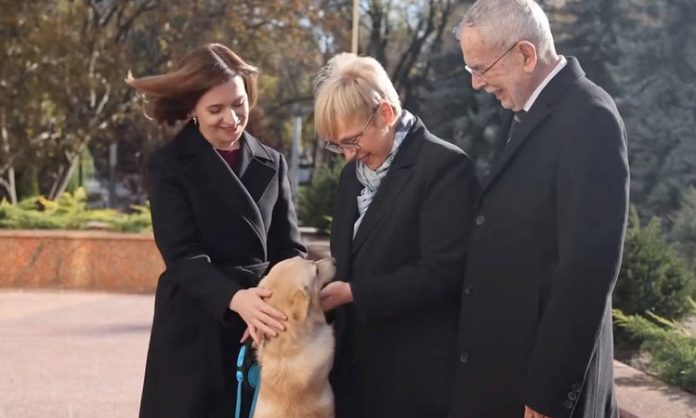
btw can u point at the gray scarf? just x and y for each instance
(372, 179)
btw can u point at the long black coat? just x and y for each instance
(543, 259)
(218, 233)
(396, 343)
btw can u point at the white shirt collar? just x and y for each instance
(535, 94)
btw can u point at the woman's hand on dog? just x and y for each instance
(334, 295)
(261, 318)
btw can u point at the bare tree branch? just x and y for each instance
(124, 25)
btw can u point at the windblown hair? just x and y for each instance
(171, 97)
(504, 22)
(348, 88)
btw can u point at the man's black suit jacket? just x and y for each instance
(544, 255)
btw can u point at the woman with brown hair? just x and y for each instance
(222, 214)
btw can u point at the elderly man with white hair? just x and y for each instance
(535, 333)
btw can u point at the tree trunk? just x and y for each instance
(64, 175)
(9, 182)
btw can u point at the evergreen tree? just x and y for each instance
(653, 277)
(456, 113)
(658, 71)
(683, 233)
(317, 198)
(588, 30)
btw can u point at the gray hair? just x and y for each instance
(503, 22)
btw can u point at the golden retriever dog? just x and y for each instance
(295, 365)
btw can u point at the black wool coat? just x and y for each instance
(396, 344)
(218, 232)
(543, 259)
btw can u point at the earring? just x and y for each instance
(195, 121)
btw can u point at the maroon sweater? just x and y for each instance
(232, 158)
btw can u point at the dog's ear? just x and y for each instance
(299, 307)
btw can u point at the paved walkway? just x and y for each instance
(68, 354)
(72, 354)
(644, 396)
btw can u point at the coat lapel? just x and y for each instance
(202, 161)
(537, 114)
(256, 169)
(535, 117)
(399, 174)
(345, 214)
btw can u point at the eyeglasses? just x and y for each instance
(481, 73)
(350, 143)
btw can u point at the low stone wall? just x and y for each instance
(79, 260)
(93, 260)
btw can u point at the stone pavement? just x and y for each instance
(644, 396)
(66, 354)
(70, 354)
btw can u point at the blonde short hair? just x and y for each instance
(349, 87)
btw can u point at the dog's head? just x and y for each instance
(295, 283)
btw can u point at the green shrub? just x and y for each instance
(670, 346)
(138, 221)
(683, 233)
(653, 277)
(317, 199)
(70, 212)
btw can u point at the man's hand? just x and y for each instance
(334, 295)
(530, 413)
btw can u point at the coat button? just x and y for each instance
(468, 289)
(573, 396)
(480, 220)
(576, 387)
(568, 404)
(464, 358)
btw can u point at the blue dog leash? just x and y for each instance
(252, 377)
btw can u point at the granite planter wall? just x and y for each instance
(79, 260)
(92, 260)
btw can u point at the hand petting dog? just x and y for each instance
(334, 295)
(261, 318)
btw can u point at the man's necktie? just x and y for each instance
(516, 122)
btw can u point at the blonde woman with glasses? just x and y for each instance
(399, 235)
